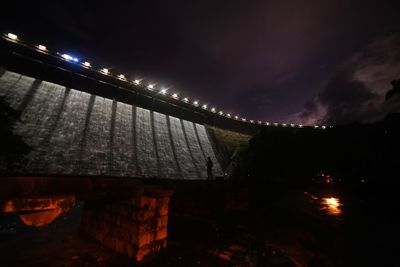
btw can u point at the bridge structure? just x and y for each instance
(93, 135)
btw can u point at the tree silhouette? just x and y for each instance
(394, 90)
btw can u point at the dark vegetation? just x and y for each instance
(349, 153)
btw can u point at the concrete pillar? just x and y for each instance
(136, 227)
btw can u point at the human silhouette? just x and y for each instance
(209, 169)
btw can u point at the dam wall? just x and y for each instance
(72, 132)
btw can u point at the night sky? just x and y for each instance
(278, 61)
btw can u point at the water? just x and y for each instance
(147, 158)
(73, 132)
(168, 165)
(183, 155)
(195, 149)
(207, 148)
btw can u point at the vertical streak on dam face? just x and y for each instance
(123, 153)
(14, 87)
(207, 147)
(40, 116)
(168, 165)
(64, 145)
(95, 152)
(195, 148)
(147, 158)
(73, 132)
(182, 151)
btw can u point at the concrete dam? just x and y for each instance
(71, 132)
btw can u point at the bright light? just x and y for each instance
(316, 126)
(175, 96)
(291, 125)
(267, 123)
(300, 125)
(137, 82)
(121, 77)
(150, 86)
(221, 113)
(212, 109)
(276, 124)
(12, 36)
(186, 99)
(163, 91)
(204, 106)
(69, 58)
(323, 126)
(66, 57)
(105, 71)
(284, 124)
(259, 122)
(243, 119)
(236, 117)
(42, 47)
(331, 205)
(228, 115)
(196, 103)
(251, 121)
(87, 64)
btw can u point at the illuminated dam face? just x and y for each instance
(75, 133)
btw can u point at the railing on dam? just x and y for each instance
(36, 61)
(74, 132)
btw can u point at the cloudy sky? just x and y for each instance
(326, 61)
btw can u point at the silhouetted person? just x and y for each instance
(209, 169)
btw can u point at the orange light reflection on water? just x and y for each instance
(331, 205)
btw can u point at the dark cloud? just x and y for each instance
(357, 90)
(260, 59)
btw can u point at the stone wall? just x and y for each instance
(136, 227)
(76, 133)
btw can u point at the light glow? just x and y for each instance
(267, 123)
(121, 77)
(150, 86)
(221, 113)
(163, 91)
(236, 117)
(137, 82)
(204, 106)
(66, 57)
(196, 103)
(87, 64)
(12, 36)
(213, 110)
(42, 47)
(105, 71)
(69, 58)
(331, 205)
(228, 115)
(186, 99)
(175, 96)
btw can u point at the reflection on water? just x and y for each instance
(331, 205)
